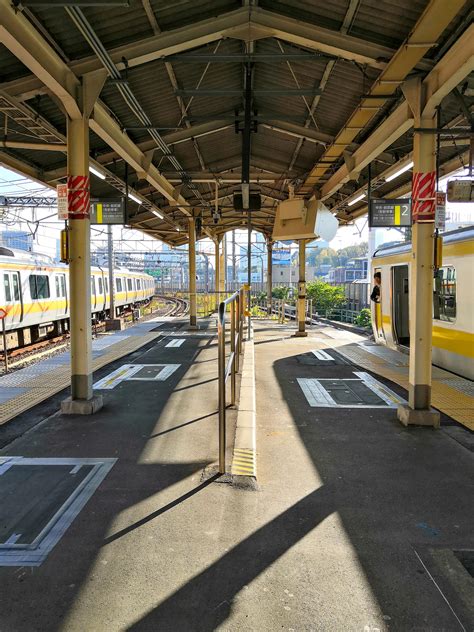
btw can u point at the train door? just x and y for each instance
(61, 293)
(400, 305)
(93, 293)
(378, 311)
(13, 297)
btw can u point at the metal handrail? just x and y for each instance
(231, 367)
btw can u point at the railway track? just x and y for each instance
(179, 306)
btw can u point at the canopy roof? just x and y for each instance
(326, 99)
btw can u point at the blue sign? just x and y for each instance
(281, 256)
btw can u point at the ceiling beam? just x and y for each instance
(447, 168)
(422, 38)
(300, 131)
(448, 72)
(210, 30)
(22, 39)
(318, 38)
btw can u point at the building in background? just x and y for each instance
(16, 239)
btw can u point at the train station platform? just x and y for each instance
(357, 523)
(24, 388)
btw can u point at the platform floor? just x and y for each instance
(358, 523)
(24, 388)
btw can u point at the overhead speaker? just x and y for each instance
(302, 219)
(255, 202)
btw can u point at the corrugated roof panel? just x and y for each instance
(114, 26)
(171, 15)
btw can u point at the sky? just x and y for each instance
(12, 184)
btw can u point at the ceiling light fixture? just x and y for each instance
(357, 199)
(134, 198)
(407, 167)
(97, 173)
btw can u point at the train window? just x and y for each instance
(39, 286)
(139, 286)
(16, 285)
(129, 284)
(60, 281)
(101, 285)
(444, 297)
(106, 285)
(6, 284)
(119, 284)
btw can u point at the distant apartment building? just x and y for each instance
(16, 239)
(356, 269)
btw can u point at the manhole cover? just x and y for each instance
(364, 391)
(40, 499)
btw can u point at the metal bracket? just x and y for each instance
(411, 89)
(92, 84)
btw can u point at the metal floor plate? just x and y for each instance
(361, 392)
(40, 499)
(139, 372)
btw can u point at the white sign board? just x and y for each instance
(62, 201)
(440, 215)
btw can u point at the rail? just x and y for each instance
(228, 367)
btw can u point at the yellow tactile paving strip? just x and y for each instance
(244, 462)
(445, 398)
(43, 386)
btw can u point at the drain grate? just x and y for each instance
(364, 391)
(40, 499)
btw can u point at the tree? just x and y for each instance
(324, 296)
(281, 291)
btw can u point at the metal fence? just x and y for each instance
(228, 366)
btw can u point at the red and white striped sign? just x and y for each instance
(78, 196)
(424, 197)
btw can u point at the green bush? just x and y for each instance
(282, 291)
(364, 318)
(325, 297)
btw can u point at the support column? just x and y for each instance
(216, 270)
(82, 400)
(222, 267)
(269, 276)
(192, 274)
(418, 410)
(301, 332)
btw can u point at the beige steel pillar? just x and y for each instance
(418, 410)
(192, 274)
(222, 267)
(216, 267)
(301, 311)
(82, 400)
(269, 276)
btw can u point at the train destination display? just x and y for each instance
(389, 213)
(107, 210)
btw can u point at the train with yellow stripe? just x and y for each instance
(453, 301)
(35, 295)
